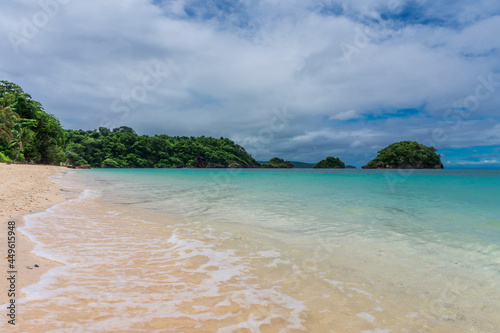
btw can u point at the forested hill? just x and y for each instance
(27, 132)
(406, 155)
(122, 147)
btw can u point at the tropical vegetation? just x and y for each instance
(277, 162)
(330, 163)
(27, 132)
(406, 155)
(122, 148)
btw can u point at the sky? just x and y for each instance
(298, 79)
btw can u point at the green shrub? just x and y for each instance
(3, 158)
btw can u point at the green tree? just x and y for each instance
(277, 162)
(330, 163)
(21, 137)
(122, 147)
(7, 117)
(406, 155)
(48, 133)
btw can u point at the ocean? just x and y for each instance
(269, 250)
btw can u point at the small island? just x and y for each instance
(277, 162)
(330, 163)
(406, 155)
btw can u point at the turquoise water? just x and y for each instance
(259, 250)
(459, 208)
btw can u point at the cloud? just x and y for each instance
(226, 65)
(347, 115)
(479, 163)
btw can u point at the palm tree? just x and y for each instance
(21, 136)
(8, 117)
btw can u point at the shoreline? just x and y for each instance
(25, 189)
(215, 274)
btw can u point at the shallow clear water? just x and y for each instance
(453, 207)
(271, 251)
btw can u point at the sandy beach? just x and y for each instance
(24, 189)
(129, 268)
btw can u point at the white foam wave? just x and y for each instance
(269, 254)
(56, 210)
(366, 316)
(212, 274)
(40, 290)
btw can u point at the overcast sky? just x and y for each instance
(297, 79)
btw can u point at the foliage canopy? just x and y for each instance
(406, 155)
(26, 129)
(28, 133)
(277, 162)
(122, 147)
(330, 162)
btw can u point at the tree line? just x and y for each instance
(29, 134)
(122, 147)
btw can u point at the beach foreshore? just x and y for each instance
(24, 189)
(131, 267)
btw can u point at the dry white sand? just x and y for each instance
(24, 189)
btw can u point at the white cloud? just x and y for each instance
(226, 75)
(479, 163)
(347, 115)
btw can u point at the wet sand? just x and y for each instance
(130, 270)
(24, 189)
